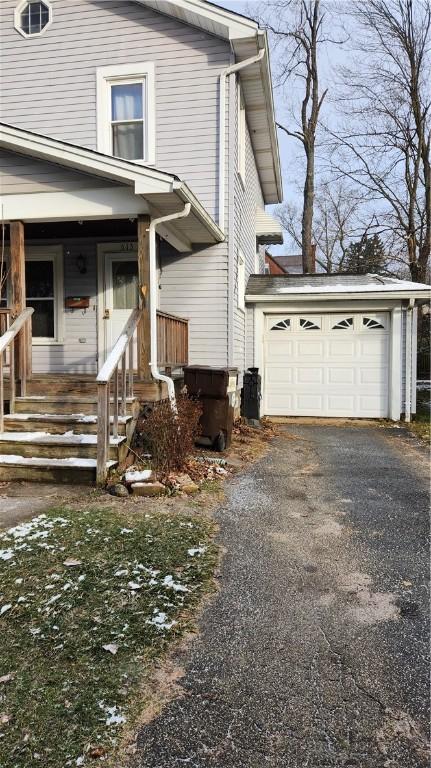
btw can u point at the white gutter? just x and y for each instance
(408, 389)
(222, 129)
(153, 300)
(281, 298)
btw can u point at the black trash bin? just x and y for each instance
(215, 388)
(251, 394)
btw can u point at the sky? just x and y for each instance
(331, 57)
(288, 148)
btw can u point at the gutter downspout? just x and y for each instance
(408, 388)
(153, 301)
(222, 129)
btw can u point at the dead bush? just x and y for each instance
(169, 436)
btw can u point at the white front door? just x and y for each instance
(120, 295)
(326, 364)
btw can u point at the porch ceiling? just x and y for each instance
(140, 188)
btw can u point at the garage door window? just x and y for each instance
(347, 322)
(283, 325)
(308, 325)
(368, 322)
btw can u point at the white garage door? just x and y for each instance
(326, 365)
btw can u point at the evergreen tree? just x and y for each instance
(366, 255)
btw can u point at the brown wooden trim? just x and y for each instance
(144, 328)
(18, 298)
(172, 341)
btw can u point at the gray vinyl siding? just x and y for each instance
(48, 83)
(250, 340)
(247, 197)
(21, 175)
(195, 287)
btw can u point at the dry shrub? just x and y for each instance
(171, 436)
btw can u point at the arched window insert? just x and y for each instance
(32, 17)
(308, 325)
(347, 322)
(282, 325)
(368, 322)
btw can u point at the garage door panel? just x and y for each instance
(373, 376)
(370, 404)
(339, 405)
(310, 349)
(341, 349)
(373, 348)
(279, 352)
(309, 375)
(279, 375)
(342, 371)
(309, 402)
(341, 376)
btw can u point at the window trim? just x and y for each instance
(17, 19)
(126, 74)
(241, 281)
(52, 253)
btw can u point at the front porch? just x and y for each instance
(83, 342)
(75, 348)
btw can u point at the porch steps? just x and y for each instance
(53, 438)
(59, 423)
(71, 470)
(58, 404)
(45, 445)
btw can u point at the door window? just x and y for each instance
(125, 284)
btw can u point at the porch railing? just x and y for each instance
(172, 341)
(19, 330)
(117, 369)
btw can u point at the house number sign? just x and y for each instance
(128, 247)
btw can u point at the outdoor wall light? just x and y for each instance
(81, 264)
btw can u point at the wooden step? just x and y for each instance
(73, 470)
(58, 423)
(82, 385)
(59, 405)
(43, 445)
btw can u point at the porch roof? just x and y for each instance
(163, 192)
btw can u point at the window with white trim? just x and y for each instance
(241, 134)
(241, 281)
(44, 290)
(126, 112)
(32, 17)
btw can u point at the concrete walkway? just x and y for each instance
(313, 652)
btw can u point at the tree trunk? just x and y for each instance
(307, 213)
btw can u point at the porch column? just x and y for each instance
(144, 328)
(18, 297)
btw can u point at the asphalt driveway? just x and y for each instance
(314, 651)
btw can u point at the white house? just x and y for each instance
(138, 150)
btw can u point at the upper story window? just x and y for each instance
(126, 112)
(32, 17)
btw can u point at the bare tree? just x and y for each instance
(384, 145)
(340, 218)
(298, 25)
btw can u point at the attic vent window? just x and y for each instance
(32, 17)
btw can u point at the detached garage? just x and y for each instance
(334, 345)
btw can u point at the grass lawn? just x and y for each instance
(88, 600)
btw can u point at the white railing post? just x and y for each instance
(101, 472)
(7, 342)
(115, 396)
(1, 394)
(110, 369)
